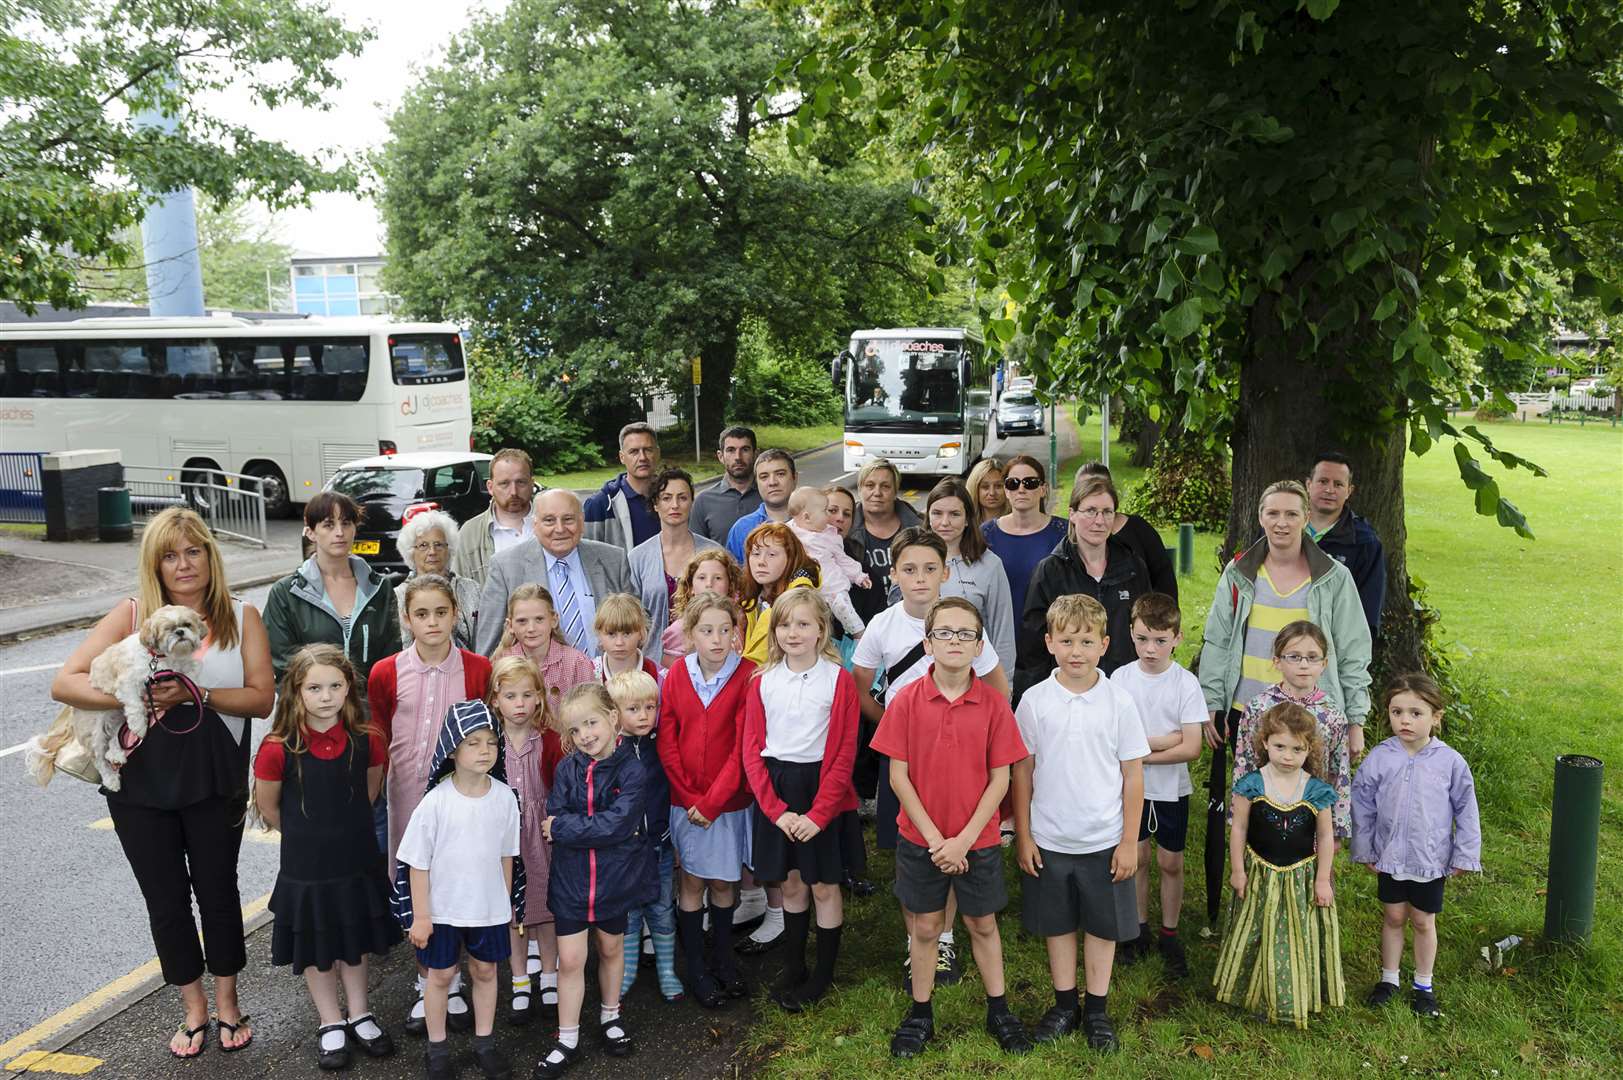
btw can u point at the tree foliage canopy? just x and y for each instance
(1353, 193)
(605, 189)
(73, 162)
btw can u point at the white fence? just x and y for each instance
(1567, 402)
(231, 503)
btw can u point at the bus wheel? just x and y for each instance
(278, 504)
(200, 486)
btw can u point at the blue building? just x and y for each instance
(350, 285)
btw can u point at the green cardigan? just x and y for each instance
(1332, 604)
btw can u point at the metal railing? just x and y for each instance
(232, 504)
(22, 496)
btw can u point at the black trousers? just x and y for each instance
(175, 855)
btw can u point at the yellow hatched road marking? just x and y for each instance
(96, 999)
(40, 1061)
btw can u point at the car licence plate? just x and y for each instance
(364, 547)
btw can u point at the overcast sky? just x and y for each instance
(409, 34)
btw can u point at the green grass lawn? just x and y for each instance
(1539, 628)
(674, 451)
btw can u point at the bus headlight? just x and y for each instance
(853, 446)
(950, 450)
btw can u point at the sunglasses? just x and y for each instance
(1015, 483)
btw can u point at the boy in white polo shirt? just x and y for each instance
(1077, 803)
(1172, 708)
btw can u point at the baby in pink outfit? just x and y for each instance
(808, 518)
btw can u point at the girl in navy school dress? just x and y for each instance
(316, 775)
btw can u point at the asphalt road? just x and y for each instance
(75, 920)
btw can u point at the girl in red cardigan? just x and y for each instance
(798, 745)
(410, 693)
(700, 708)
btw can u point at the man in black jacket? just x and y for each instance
(1343, 535)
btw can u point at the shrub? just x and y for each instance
(772, 387)
(510, 410)
(1185, 484)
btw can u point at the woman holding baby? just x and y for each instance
(180, 809)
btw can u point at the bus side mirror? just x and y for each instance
(837, 368)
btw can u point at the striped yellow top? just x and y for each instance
(1271, 611)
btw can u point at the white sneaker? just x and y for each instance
(751, 905)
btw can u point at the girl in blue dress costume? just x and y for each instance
(1281, 955)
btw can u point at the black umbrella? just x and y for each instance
(1216, 829)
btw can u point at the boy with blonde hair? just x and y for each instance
(1077, 803)
(636, 695)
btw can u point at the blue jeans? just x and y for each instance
(661, 914)
(380, 823)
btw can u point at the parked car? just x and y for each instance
(1019, 413)
(394, 487)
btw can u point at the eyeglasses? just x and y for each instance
(1015, 483)
(1094, 513)
(941, 633)
(1302, 658)
(431, 545)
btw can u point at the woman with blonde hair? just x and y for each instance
(985, 483)
(425, 544)
(179, 813)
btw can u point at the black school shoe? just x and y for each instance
(949, 970)
(1424, 1004)
(547, 1069)
(707, 992)
(380, 1047)
(1010, 1033)
(1172, 954)
(617, 1041)
(1101, 1032)
(492, 1063)
(333, 1060)
(911, 1036)
(1056, 1023)
(1383, 993)
(1132, 951)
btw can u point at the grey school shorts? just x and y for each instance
(1074, 892)
(922, 888)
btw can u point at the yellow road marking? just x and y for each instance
(97, 998)
(40, 1061)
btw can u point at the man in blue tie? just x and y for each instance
(577, 572)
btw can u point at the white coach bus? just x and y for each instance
(920, 397)
(287, 400)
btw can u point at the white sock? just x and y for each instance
(422, 981)
(367, 1027)
(521, 984)
(605, 1014)
(334, 1039)
(1390, 976)
(1422, 982)
(535, 947)
(771, 925)
(548, 980)
(946, 937)
(569, 1036)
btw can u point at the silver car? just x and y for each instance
(1019, 413)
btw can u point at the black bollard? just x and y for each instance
(1569, 903)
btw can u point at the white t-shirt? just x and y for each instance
(1167, 703)
(461, 842)
(891, 635)
(798, 706)
(1080, 741)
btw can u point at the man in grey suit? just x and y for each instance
(578, 573)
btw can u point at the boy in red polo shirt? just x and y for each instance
(951, 739)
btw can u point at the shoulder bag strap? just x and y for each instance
(911, 657)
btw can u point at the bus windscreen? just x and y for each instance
(423, 359)
(904, 385)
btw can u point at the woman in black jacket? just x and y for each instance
(1140, 537)
(1090, 561)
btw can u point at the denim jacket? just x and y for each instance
(1416, 816)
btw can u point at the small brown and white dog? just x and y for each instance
(167, 641)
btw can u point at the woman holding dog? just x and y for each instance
(180, 809)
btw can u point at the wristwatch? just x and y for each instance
(205, 697)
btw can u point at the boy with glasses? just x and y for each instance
(894, 643)
(951, 739)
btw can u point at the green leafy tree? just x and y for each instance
(244, 263)
(75, 167)
(606, 191)
(1271, 207)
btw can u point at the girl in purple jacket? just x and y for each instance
(1414, 819)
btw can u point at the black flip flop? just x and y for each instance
(192, 1033)
(221, 1027)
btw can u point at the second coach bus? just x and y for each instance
(286, 400)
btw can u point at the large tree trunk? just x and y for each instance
(1288, 412)
(720, 357)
